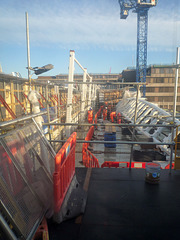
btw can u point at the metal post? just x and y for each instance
(70, 90)
(6, 228)
(48, 114)
(135, 117)
(19, 120)
(141, 63)
(28, 49)
(117, 142)
(176, 84)
(83, 94)
(174, 106)
(89, 104)
(106, 124)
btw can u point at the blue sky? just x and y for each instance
(92, 28)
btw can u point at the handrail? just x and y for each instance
(119, 142)
(111, 124)
(18, 120)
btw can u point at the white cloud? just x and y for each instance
(87, 25)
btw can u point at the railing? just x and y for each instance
(64, 171)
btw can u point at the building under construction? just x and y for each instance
(64, 175)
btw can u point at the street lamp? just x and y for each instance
(39, 70)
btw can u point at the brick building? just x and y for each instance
(160, 88)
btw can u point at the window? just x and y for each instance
(159, 80)
(149, 89)
(161, 70)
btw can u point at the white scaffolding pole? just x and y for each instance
(83, 94)
(28, 49)
(93, 94)
(81, 67)
(89, 100)
(72, 59)
(70, 91)
(174, 105)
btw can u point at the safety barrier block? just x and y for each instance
(168, 166)
(42, 231)
(69, 197)
(123, 164)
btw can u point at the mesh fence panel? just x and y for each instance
(26, 190)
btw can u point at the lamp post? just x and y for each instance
(37, 70)
(28, 49)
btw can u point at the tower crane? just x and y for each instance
(140, 7)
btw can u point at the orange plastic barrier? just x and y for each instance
(123, 164)
(64, 171)
(89, 160)
(168, 166)
(42, 232)
(88, 137)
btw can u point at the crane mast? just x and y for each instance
(140, 7)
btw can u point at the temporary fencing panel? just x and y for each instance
(26, 186)
(89, 160)
(64, 171)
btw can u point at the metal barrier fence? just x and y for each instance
(26, 186)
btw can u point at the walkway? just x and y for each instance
(122, 206)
